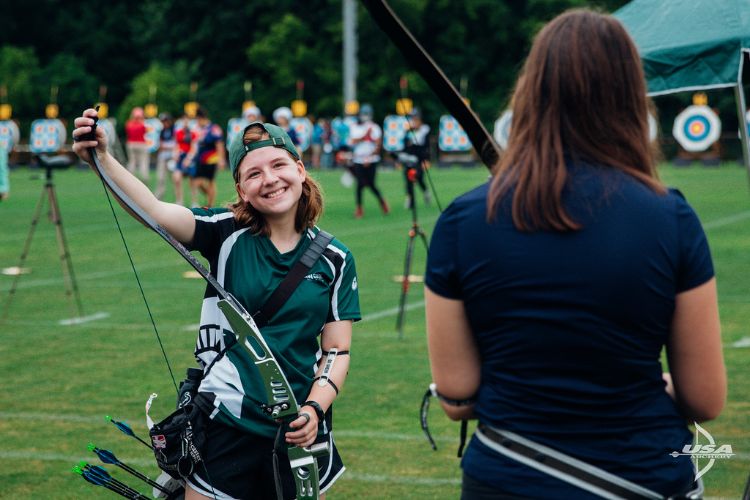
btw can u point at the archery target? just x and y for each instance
(153, 133)
(394, 132)
(9, 135)
(47, 135)
(451, 137)
(108, 126)
(235, 126)
(501, 133)
(340, 131)
(303, 128)
(696, 128)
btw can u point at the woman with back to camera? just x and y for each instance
(251, 246)
(552, 289)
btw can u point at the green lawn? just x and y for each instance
(63, 380)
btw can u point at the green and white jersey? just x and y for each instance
(250, 268)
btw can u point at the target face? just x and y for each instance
(47, 135)
(394, 132)
(235, 126)
(108, 126)
(303, 128)
(9, 135)
(502, 128)
(696, 128)
(451, 137)
(153, 133)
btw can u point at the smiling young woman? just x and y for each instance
(251, 246)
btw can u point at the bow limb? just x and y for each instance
(280, 401)
(389, 22)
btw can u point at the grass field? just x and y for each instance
(60, 381)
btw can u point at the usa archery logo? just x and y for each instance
(709, 450)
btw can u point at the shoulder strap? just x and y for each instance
(287, 286)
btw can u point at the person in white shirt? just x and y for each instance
(366, 137)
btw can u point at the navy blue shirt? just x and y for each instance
(570, 327)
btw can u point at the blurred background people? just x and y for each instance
(366, 137)
(282, 117)
(184, 138)
(415, 158)
(135, 144)
(165, 161)
(207, 153)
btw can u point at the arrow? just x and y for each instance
(108, 457)
(96, 481)
(100, 477)
(101, 474)
(125, 429)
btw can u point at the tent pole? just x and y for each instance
(739, 94)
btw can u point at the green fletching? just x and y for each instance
(77, 470)
(108, 418)
(91, 447)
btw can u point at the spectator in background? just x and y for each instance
(326, 156)
(316, 142)
(282, 117)
(366, 137)
(552, 289)
(184, 137)
(207, 153)
(252, 114)
(135, 144)
(415, 158)
(340, 143)
(165, 160)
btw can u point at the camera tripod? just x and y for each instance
(48, 194)
(414, 231)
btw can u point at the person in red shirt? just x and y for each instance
(207, 153)
(135, 144)
(184, 138)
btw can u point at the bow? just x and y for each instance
(280, 401)
(387, 20)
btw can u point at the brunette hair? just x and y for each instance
(581, 94)
(309, 208)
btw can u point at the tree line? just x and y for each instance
(133, 48)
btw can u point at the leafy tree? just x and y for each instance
(171, 83)
(76, 88)
(19, 73)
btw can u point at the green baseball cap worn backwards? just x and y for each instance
(278, 139)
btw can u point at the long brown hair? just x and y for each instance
(581, 94)
(309, 208)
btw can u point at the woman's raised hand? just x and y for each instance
(83, 125)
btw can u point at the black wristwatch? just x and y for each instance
(318, 410)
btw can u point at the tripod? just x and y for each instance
(48, 193)
(414, 231)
